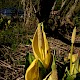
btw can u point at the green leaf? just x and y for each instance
(29, 59)
(42, 70)
(69, 77)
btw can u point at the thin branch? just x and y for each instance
(71, 12)
(63, 3)
(72, 9)
(20, 78)
(54, 5)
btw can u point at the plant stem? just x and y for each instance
(71, 58)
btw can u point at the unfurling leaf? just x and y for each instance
(32, 72)
(53, 74)
(40, 46)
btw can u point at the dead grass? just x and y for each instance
(12, 64)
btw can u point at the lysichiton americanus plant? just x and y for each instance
(41, 53)
(40, 46)
(41, 65)
(71, 53)
(74, 61)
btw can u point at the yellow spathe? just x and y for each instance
(32, 72)
(40, 46)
